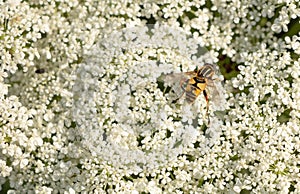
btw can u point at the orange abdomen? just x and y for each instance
(193, 89)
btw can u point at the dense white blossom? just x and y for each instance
(84, 106)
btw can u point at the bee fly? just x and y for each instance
(192, 83)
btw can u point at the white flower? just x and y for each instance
(43, 189)
(24, 162)
(5, 170)
(153, 188)
(83, 106)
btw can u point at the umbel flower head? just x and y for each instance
(121, 110)
(85, 106)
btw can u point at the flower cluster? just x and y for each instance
(85, 105)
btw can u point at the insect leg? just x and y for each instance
(174, 101)
(207, 104)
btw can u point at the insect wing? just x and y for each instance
(213, 92)
(177, 82)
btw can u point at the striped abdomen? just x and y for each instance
(194, 87)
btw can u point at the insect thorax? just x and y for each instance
(206, 71)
